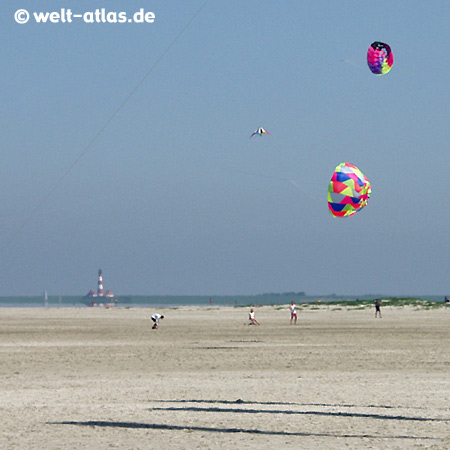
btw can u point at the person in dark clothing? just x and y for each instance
(377, 308)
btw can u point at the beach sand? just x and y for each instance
(85, 378)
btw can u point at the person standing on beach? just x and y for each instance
(252, 318)
(377, 308)
(293, 309)
(156, 318)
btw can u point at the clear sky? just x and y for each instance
(174, 198)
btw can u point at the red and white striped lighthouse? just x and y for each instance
(100, 284)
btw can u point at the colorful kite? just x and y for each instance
(260, 131)
(348, 192)
(380, 58)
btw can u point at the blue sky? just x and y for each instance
(174, 198)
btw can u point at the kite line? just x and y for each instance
(100, 132)
(314, 195)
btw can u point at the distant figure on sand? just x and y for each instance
(156, 318)
(293, 309)
(252, 318)
(377, 308)
(446, 300)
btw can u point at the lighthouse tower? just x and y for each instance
(100, 284)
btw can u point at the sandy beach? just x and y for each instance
(84, 378)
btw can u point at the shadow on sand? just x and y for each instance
(154, 426)
(312, 413)
(242, 402)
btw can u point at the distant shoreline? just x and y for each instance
(275, 300)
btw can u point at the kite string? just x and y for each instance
(100, 132)
(314, 195)
(348, 61)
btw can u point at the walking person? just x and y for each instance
(252, 318)
(377, 308)
(293, 309)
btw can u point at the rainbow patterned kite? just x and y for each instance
(348, 192)
(380, 58)
(260, 131)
